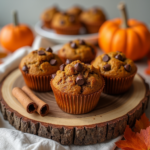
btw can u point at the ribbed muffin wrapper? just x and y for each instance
(68, 30)
(37, 83)
(117, 85)
(93, 27)
(76, 104)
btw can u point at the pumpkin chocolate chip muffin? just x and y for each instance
(37, 68)
(48, 15)
(64, 23)
(78, 50)
(92, 19)
(78, 84)
(117, 70)
(76, 11)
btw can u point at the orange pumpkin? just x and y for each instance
(15, 36)
(131, 37)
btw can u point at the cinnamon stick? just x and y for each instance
(25, 101)
(43, 108)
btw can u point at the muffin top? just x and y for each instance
(115, 64)
(65, 20)
(78, 78)
(40, 62)
(76, 10)
(49, 13)
(78, 50)
(93, 15)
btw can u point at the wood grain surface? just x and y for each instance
(108, 120)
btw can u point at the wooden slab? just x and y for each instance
(108, 120)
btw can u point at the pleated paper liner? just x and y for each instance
(76, 104)
(37, 83)
(74, 30)
(117, 85)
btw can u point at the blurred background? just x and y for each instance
(30, 10)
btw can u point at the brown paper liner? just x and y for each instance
(76, 104)
(93, 27)
(74, 30)
(37, 83)
(117, 85)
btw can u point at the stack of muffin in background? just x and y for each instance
(72, 20)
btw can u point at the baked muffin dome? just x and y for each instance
(48, 15)
(75, 10)
(92, 19)
(78, 78)
(115, 64)
(40, 62)
(78, 50)
(64, 23)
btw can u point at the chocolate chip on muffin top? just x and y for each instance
(78, 78)
(115, 64)
(78, 50)
(40, 62)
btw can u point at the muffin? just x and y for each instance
(117, 71)
(77, 87)
(76, 11)
(37, 68)
(47, 16)
(92, 19)
(78, 50)
(64, 23)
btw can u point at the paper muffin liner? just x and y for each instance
(117, 85)
(74, 30)
(37, 83)
(47, 24)
(93, 27)
(76, 104)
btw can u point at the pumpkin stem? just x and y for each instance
(15, 18)
(122, 8)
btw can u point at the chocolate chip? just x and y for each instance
(62, 67)
(25, 69)
(53, 62)
(119, 57)
(53, 75)
(80, 80)
(62, 22)
(48, 49)
(106, 58)
(107, 67)
(81, 42)
(73, 45)
(92, 49)
(79, 67)
(41, 52)
(127, 67)
(68, 61)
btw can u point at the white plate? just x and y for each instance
(57, 38)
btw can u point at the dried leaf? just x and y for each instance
(144, 135)
(143, 123)
(132, 142)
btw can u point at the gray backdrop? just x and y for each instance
(30, 10)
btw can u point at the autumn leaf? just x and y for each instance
(143, 123)
(132, 141)
(145, 136)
